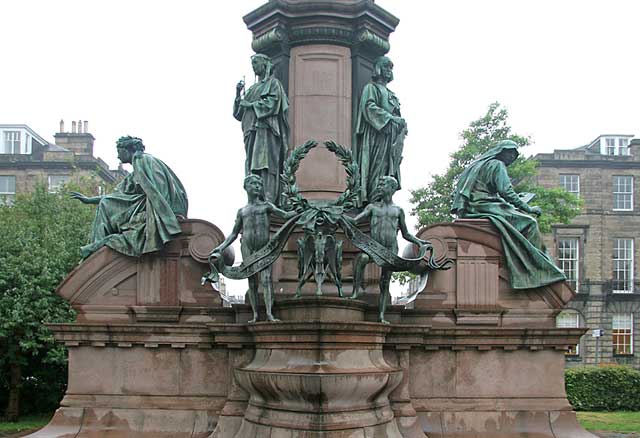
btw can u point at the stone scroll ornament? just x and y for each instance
(320, 221)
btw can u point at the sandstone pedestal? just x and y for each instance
(154, 354)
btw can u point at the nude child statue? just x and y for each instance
(386, 220)
(252, 221)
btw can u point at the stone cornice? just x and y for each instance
(606, 164)
(279, 335)
(280, 24)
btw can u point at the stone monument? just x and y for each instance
(154, 353)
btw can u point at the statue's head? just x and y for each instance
(387, 185)
(508, 151)
(254, 186)
(262, 65)
(127, 146)
(383, 69)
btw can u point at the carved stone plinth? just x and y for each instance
(322, 373)
(153, 354)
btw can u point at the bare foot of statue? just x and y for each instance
(272, 318)
(383, 321)
(254, 320)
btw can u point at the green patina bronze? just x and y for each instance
(379, 132)
(142, 214)
(262, 111)
(386, 220)
(258, 250)
(319, 250)
(484, 190)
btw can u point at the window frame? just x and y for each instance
(616, 336)
(618, 193)
(16, 142)
(575, 351)
(563, 182)
(630, 260)
(51, 189)
(6, 195)
(561, 259)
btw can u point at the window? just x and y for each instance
(569, 319)
(11, 142)
(571, 183)
(57, 181)
(622, 333)
(568, 260)
(611, 146)
(623, 265)
(616, 146)
(623, 146)
(7, 189)
(623, 193)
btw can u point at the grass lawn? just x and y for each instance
(622, 422)
(26, 423)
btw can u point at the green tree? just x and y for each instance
(433, 202)
(40, 243)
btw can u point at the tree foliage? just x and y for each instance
(433, 202)
(39, 244)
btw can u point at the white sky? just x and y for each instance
(165, 71)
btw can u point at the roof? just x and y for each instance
(51, 147)
(26, 128)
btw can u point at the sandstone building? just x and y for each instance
(27, 159)
(599, 249)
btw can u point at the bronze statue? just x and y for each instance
(252, 221)
(142, 214)
(386, 219)
(262, 111)
(484, 190)
(379, 132)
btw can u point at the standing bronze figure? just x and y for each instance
(380, 131)
(262, 111)
(252, 221)
(386, 220)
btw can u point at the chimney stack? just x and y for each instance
(78, 141)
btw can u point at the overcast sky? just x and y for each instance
(165, 71)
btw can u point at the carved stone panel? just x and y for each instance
(320, 96)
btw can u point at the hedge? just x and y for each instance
(606, 388)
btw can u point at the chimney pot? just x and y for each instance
(61, 125)
(73, 127)
(86, 127)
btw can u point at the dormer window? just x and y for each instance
(11, 142)
(616, 146)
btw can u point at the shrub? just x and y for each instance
(607, 388)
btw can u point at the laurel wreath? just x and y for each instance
(347, 199)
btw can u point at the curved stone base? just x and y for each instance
(316, 376)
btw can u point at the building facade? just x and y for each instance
(27, 159)
(599, 250)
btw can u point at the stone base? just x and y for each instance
(126, 423)
(507, 424)
(153, 354)
(321, 373)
